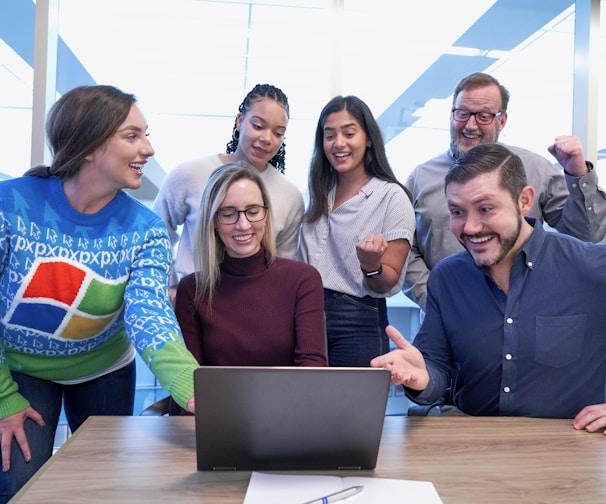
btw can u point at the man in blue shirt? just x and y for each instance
(518, 320)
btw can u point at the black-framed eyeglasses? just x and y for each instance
(462, 115)
(253, 213)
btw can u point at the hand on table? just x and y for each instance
(591, 418)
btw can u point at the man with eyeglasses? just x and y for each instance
(570, 202)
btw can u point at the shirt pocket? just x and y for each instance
(559, 340)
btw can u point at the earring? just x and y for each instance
(235, 135)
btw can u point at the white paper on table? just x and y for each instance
(266, 488)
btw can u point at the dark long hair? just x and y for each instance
(256, 93)
(81, 121)
(322, 177)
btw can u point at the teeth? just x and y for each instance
(242, 238)
(136, 166)
(480, 240)
(341, 155)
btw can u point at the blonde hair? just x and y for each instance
(209, 250)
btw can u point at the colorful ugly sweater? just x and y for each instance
(77, 289)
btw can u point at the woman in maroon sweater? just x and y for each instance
(244, 305)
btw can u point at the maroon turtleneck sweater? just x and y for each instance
(262, 315)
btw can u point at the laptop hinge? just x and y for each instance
(349, 468)
(224, 469)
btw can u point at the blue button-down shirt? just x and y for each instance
(538, 351)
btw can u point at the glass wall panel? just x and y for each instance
(407, 60)
(185, 61)
(16, 83)
(190, 63)
(291, 47)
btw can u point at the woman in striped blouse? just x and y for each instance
(357, 230)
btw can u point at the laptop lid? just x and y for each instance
(289, 418)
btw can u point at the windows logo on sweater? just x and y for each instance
(65, 300)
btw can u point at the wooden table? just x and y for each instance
(469, 460)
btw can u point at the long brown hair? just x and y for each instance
(81, 121)
(322, 177)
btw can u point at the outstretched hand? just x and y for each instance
(12, 427)
(405, 363)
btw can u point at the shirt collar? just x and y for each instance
(367, 189)
(533, 246)
(370, 186)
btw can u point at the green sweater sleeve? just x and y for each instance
(11, 401)
(173, 366)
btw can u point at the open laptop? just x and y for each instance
(289, 418)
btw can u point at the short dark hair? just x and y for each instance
(486, 158)
(480, 79)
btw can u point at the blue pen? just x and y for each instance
(337, 496)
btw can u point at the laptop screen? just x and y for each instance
(289, 418)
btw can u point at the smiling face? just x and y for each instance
(465, 135)
(345, 143)
(262, 131)
(243, 238)
(485, 218)
(118, 164)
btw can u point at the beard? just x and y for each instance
(507, 243)
(458, 147)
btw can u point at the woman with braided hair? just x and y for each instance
(258, 139)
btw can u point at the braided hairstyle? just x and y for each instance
(258, 92)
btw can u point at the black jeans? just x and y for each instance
(112, 394)
(355, 328)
